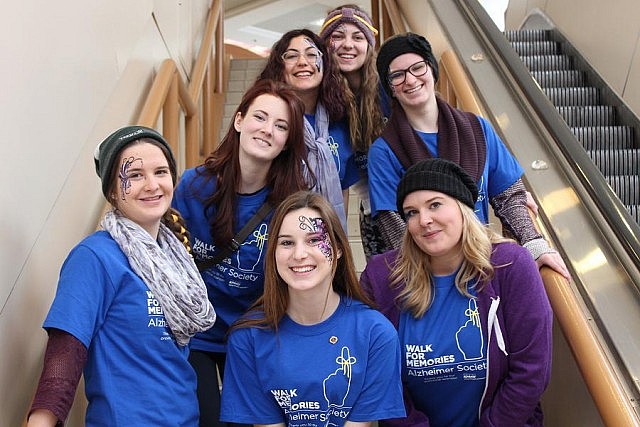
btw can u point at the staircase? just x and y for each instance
(599, 119)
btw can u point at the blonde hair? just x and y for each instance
(413, 266)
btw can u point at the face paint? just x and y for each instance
(319, 63)
(125, 183)
(317, 225)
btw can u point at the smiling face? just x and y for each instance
(144, 185)
(304, 254)
(414, 92)
(264, 129)
(304, 67)
(434, 221)
(349, 46)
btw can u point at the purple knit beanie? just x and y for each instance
(352, 16)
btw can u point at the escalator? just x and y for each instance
(608, 136)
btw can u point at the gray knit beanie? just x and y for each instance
(439, 175)
(107, 151)
(399, 45)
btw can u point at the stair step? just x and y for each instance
(604, 137)
(547, 62)
(616, 162)
(559, 78)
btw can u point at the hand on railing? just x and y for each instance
(554, 261)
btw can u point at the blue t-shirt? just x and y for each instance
(444, 360)
(238, 280)
(501, 170)
(339, 143)
(344, 368)
(135, 374)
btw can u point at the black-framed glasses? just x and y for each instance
(398, 77)
(311, 55)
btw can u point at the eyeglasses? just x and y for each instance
(398, 77)
(311, 55)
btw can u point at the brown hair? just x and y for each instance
(268, 310)
(285, 174)
(366, 120)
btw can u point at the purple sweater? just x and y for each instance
(516, 294)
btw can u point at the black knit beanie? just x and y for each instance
(438, 175)
(107, 151)
(401, 44)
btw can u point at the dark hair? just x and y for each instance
(285, 175)
(332, 86)
(268, 310)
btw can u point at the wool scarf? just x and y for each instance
(168, 271)
(320, 162)
(460, 139)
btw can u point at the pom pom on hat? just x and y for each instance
(108, 151)
(438, 175)
(399, 45)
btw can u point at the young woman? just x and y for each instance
(471, 311)
(301, 59)
(259, 161)
(311, 352)
(350, 35)
(424, 126)
(114, 315)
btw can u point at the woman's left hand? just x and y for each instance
(554, 261)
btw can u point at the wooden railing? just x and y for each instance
(387, 17)
(201, 101)
(591, 358)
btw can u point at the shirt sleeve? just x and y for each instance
(243, 400)
(381, 396)
(385, 172)
(503, 168)
(85, 292)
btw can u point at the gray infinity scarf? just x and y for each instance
(168, 271)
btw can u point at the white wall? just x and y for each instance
(72, 72)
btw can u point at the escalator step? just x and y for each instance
(536, 48)
(626, 187)
(596, 115)
(616, 162)
(603, 137)
(559, 78)
(527, 35)
(573, 95)
(547, 62)
(634, 210)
